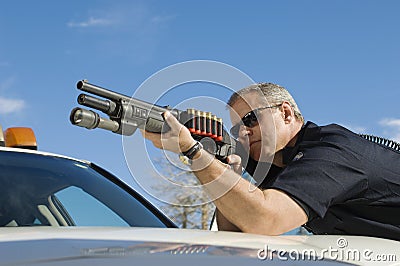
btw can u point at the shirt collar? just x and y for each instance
(307, 132)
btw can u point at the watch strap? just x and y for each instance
(193, 150)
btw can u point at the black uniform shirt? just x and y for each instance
(345, 183)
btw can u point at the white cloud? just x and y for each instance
(91, 22)
(391, 122)
(132, 16)
(8, 106)
(392, 127)
(138, 26)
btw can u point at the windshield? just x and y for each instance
(45, 190)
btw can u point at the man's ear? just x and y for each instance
(288, 112)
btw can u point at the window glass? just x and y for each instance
(85, 210)
(30, 184)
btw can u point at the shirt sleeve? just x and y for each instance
(322, 176)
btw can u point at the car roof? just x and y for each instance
(21, 150)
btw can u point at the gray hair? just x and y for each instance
(274, 94)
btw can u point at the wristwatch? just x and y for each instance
(193, 150)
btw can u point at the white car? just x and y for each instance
(49, 245)
(57, 210)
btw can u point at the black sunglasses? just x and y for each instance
(249, 120)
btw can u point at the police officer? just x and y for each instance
(325, 178)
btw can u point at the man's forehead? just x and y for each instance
(253, 99)
(245, 104)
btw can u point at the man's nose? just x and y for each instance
(245, 131)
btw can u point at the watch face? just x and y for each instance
(192, 151)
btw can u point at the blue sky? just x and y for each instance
(340, 60)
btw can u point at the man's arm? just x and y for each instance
(269, 212)
(224, 224)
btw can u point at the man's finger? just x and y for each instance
(153, 137)
(172, 122)
(149, 135)
(235, 162)
(233, 159)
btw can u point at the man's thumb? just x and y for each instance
(172, 122)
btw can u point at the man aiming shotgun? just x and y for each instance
(325, 178)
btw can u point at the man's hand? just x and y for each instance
(235, 162)
(178, 139)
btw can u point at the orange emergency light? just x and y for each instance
(20, 137)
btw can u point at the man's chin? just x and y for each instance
(255, 154)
